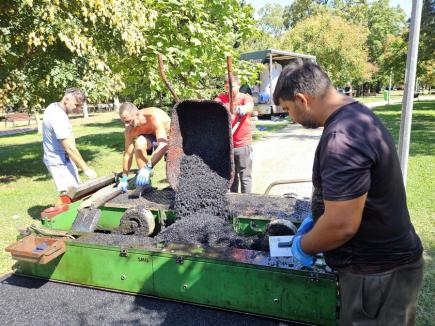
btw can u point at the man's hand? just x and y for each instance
(240, 110)
(144, 176)
(306, 225)
(90, 173)
(300, 255)
(123, 184)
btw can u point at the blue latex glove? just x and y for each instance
(144, 176)
(240, 111)
(306, 225)
(298, 254)
(123, 184)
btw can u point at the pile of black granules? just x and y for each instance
(203, 229)
(200, 190)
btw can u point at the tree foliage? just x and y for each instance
(338, 45)
(271, 19)
(109, 47)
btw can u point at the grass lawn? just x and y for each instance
(395, 95)
(26, 187)
(420, 190)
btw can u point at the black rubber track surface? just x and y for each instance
(26, 301)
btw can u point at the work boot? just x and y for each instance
(140, 191)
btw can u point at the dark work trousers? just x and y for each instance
(380, 299)
(243, 169)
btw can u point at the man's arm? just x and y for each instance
(248, 106)
(74, 154)
(338, 224)
(128, 151)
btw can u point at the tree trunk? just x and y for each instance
(85, 110)
(116, 103)
(38, 122)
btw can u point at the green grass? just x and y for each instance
(395, 95)
(26, 187)
(420, 190)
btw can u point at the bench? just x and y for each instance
(18, 116)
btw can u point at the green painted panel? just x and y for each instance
(98, 267)
(318, 298)
(110, 217)
(279, 294)
(65, 220)
(249, 226)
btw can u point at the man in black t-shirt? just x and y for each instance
(360, 219)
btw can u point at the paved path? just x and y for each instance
(285, 155)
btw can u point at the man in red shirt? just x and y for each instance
(242, 134)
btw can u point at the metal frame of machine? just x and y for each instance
(234, 279)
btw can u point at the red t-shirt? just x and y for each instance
(243, 134)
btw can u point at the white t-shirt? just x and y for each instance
(55, 126)
(264, 77)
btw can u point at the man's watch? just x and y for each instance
(149, 165)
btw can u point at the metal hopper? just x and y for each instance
(202, 128)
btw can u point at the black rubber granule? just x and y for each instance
(203, 229)
(200, 190)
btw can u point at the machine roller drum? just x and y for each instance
(138, 221)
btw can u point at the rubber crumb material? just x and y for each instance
(119, 240)
(86, 220)
(201, 189)
(204, 229)
(293, 209)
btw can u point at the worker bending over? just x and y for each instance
(146, 135)
(243, 105)
(360, 218)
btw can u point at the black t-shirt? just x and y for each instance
(356, 155)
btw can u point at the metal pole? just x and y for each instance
(411, 66)
(270, 80)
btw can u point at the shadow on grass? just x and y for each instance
(35, 211)
(25, 160)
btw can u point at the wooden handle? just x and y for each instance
(230, 81)
(163, 75)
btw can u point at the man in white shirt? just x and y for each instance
(61, 156)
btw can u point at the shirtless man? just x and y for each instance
(146, 135)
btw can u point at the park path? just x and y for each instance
(285, 155)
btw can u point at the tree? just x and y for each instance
(270, 19)
(109, 47)
(338, 45)
(300, 10)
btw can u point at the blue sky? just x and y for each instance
(405, 4)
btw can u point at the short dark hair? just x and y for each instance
(127, 106)
(301, 76)
(78, 94)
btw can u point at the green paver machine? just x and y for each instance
(249, 281)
